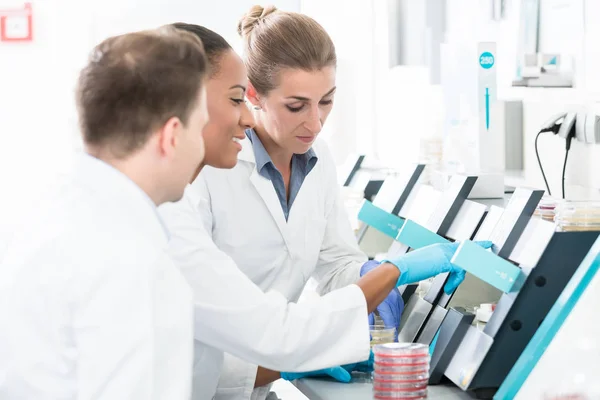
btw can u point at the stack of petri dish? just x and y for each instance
(546, 209)
(578, 216)
(401, 371)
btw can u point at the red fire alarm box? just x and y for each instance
(16, 25)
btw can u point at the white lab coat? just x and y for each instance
(242, 211)
(235, 315)
(91, 305)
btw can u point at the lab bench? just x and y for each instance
(326, 389)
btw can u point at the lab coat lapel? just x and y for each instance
(267, 193)
(265, 189)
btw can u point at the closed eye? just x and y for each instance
(295, 109)
(298, 109)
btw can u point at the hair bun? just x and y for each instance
(253, 17)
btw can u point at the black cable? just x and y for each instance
(563, 173)
(537, 154)
(567, 148)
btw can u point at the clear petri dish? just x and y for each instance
(578, 216)
(381, 334)
(545, 215)
(402, 370)
(414, 379)
(401, 360)
(386, 394)
(401, 350)
(546, 209)
(399, 386)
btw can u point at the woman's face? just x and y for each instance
(294, 112)
(228, 114)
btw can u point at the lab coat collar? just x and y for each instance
(119, 190)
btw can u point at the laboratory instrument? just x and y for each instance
(524, 268)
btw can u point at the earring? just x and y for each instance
(257, 108)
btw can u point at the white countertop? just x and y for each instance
(362, 388)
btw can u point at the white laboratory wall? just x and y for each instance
(412, 112)
(379, 111)
(37, 116)
(395, 113)
(473, 23)
(591, 48)
(38, 127)
(118, 16)
(358, 30)
(567, 27)
(578, 36)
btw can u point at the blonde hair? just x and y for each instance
(275, 39)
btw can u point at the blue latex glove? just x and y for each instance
(338, 373)
(363, 366)
(391, 308)
(341, 374)
(430, 261)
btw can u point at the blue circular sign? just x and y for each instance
(486, 60)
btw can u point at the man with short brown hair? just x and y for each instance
(90, 304)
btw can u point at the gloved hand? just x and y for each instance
(391, 308)
(363, 366)
(430, 261)
(338, 373)
(341, 374)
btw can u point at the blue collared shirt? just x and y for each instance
(302, 164)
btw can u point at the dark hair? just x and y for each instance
(214, 44)
(134, 83)
(276, 39)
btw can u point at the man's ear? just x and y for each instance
(168, 136)
(253, 96)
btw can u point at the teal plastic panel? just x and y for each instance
(488, 267)
(380, 219)
(417, 236)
